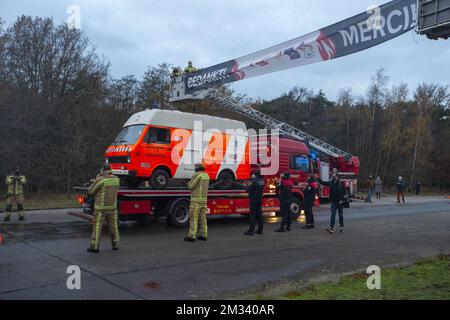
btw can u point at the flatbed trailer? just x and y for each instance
(136, 204)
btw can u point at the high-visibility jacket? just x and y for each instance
(190, 69)
(199, 185)
(104, 189)
(177, 73)
(15, 184)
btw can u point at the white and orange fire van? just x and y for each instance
(157, 145)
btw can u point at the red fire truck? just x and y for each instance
(173, 203)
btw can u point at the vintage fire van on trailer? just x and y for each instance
(156, 145)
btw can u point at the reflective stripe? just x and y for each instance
(96, 240)
(116, 234)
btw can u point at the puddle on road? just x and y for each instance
(83, 229)
(45, 231)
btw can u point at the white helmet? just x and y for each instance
(400, 178)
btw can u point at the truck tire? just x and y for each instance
(179, 213)
(159, 179)
(296, 208)
(226, 180)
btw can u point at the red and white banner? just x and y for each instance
(373, 27)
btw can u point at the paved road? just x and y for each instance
(154, 262)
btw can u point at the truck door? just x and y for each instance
(324, 173)
(157, 149)
(300, 166)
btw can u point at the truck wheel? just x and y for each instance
(159, 179)
(226, 180)
(179, 213)
(296, 208)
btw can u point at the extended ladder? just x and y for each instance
(271, 123)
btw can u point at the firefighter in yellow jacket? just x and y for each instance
(198, 185)
(190, 68)
(104, 190)
(15, 182)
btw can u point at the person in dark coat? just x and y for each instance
(255, 194)
(284, 191)
(337, 196)
(418, 187)
(309, 194)
(400, 189)
(378, 187)
(370, 186)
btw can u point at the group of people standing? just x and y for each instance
(284, 191)
(178, 72)
(106, 185)
(377, 187)
(374, 186)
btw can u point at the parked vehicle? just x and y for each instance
(157, 145)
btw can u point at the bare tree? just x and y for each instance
(154, 89)
(376, 96)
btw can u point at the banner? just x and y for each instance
(373, 27)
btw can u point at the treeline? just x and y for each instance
(60, 108)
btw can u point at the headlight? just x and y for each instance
(128, 159)
(106, 160)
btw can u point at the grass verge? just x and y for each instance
(47, 201)
(426, 280)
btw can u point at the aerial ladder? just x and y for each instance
(228, 102)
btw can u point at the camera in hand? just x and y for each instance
(345, 203)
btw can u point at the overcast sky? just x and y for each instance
(134, 34)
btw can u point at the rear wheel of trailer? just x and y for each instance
(178, 210)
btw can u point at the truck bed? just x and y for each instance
(175, 192)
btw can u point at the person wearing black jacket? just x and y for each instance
(337, 193)
(309, 194)
(255, 194)
(284, 191)
(401, 185)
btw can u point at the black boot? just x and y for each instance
(248, 233)
(92, 250)
(202, 238)
(280, 229)
(188, 239)
(8, 211)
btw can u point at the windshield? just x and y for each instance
(129, 135)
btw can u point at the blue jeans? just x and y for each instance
(369, 195)
(335, 206)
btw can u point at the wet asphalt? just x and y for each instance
(155, 263)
